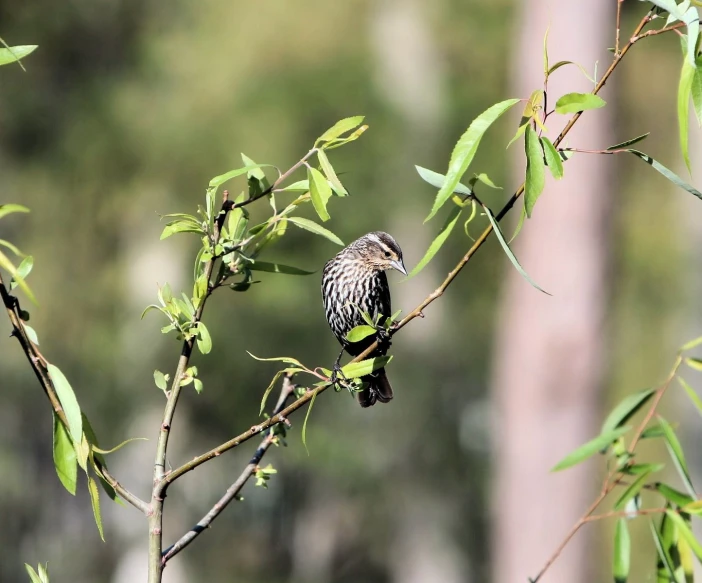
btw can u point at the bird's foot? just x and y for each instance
(337, 373)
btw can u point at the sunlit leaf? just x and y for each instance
(665, 564)
(33, 575)
(694, 363)
(535, 174)
(330, 174)
(307, 416)
(13, 54)
(622, 552)
(626, 409)
(686, 532)
(438, 241)
(222, 178)
(5, 263)
(587, 450)
(358, 369)
(119, 446)
(465, 150)
(674, 496)
(359, 333)
(574, 102)
(320, 192)
(632, 490)
(316, 229)
(341, 127)
(204, 340)
(696, 401)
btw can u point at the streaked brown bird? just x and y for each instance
(355, 278)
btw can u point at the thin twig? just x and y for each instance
(39, 364)
(619, 18)
(233, 491)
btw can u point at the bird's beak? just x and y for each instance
(399, 266)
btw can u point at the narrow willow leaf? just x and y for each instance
(12, 54)
(95, 501)
(694, 363)
(638, 469)
(574, 102)
(437, 180)
(65, 460)
(674, 496)
(626, 409)
(68, 400)
(5, 263)
(535, 174)
(316, 229)
(307, 416)
(438, 241)
(465, 150)
(278, 268)
(204, 340)
(587, 450)
(6, 209)
(330, 174)
(674, 178)
(116, 447)
(519, 133)
(622, 552)
(697, 90)
(508, 251)
(222, 178)
(341, 127)
(285, 359)
(359, 333)
(632, 490)
(696, 401)
(665, 564)
(686, 532)
(179, 227)
(684, 92)
(691, 344)
(320, 192)
(676, 453)
(546, 50)
(358, 369)
(560, 64)
(553, 160)
(630, 142)
(33, 575)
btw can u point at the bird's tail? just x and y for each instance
(378, 389)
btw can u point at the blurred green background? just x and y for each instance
(126, 110)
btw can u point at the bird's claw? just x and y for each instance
(336, 373)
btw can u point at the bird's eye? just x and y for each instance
(387, 254)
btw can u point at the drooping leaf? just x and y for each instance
(179, 227)
(697, 90)
(674, 178)
(278, 268)
(68, 400)
(674, 496)
(694, 363)
(65, 460)
(6, 209)
(508, 251)
(685, 531)
(341, 127)
(33, 575)
(320, 192)
(630, 142)
(465, 150)
(574, 102)
(316, 229)
(696, 401)
(535, 174)
(438, 241)
(359, 333)
(204, 340)
(691, 344)
(677, 455)
(632, 490)
(626, 409)
(665, 563)
(330, 174)
(285, 359)
(684, 92)
(95, 501)
(358, 369)
(437, 180)
(13, 54)
(587, 450)
(5, 263)
(307, 416)
(622, 552)
(119, 446)
(553, 160)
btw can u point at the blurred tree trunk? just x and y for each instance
(548, 365)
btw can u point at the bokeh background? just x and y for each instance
(127, 110)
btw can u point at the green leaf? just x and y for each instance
(694, 363)
(204, 341)
(697, 90)
(437, 180)
(222, 178)
(632, 490)
(560, 64)
(179, 227)
(359, 369)
(299, 186)
(674, 178)
(465, 150)
(95, 501)
(68, 400)
(691, 344)
(626, 409)
(519, 133)
(684, 529)
(65, 460)
(31, 334)
(341, 127)
(684, 91)
(630, 142)
(278, 268)
(622, 552)
(13, 54)
(359, 333)
(535, 174)
(553, 160)
(320, 192)
(5, 263)
(119, 446)
(438, 241)
(587, 450)
(307, 416)
(676, 453)
(574, 102)
(33, 574)
(696, 401)
(508, 251)
(6, 209)
(23, 269)
(485, 179)
(674, 496)
(330, 174)
(286, 359)
(316, 229)
(665, 564)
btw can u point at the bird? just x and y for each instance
(354, 280)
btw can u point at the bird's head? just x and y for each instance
(380, 251)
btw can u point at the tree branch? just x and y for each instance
(233, 491)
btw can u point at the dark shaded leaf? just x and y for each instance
(630, 142)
